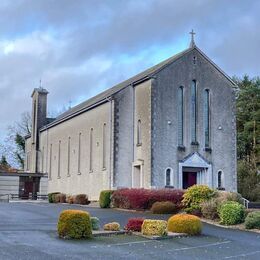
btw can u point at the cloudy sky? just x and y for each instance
(81, 47)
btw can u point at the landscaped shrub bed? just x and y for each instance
(184, 223)
(144, 198)
(51, 196)
(95, 223)
(105, 198)
(231, 213)
(194, 196)
(74, 224)
(134, 224)
(81, 199)
(253, 220)
(113, 226)
(152, 227)
(60, 198)
(163, 207)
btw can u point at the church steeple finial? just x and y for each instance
(192, 42)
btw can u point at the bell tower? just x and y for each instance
(39, 119)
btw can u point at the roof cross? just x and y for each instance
(192, 43)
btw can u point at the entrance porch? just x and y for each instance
(194, 169)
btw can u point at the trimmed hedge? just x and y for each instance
(152, 227)
(81, 199)
(144, 198)
(184, 223)
(113, 226)
(51, 196)
(134, 224)
(253, 220)
(105, 198)
(231, 213)
(95, 223)
(195, 195)
(164, 207)
(74, 224)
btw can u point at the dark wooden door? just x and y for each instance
(189, 179)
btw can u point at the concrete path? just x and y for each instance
(28, 231)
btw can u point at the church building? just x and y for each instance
(172, 125)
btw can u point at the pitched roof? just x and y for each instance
(104, 96)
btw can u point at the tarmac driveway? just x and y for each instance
(28, 231)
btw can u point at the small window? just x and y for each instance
(139, 137)
(194, 60)
(220, 180)
(168, 177)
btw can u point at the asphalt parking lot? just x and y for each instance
(28, 231)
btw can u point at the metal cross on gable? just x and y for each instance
(192, 42)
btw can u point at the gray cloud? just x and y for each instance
(76, 47)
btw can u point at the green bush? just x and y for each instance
(164, 207)
(51, 196)
(74, 224)
(253, 220)
(231, 213)
(105, 198)
(195, 195)
(95, 223)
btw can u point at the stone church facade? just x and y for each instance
(172, 125)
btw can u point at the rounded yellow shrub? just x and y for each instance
(74, 224)
(113, 226)
(152, 227)
(185, 223)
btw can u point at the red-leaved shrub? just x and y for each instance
(144, 198)
(134, 224)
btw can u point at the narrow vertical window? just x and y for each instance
(79, 154)
(168, 177)
(194, 112)
(34, 122)
(139, 138)
(220, 180)
(68, 170)
(104, 146)
(50, 162)
(91, 150)
(59, 159)
(180, 116)
(27, 161)
(43, 159)
(207, 118)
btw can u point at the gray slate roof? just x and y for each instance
(103, 96)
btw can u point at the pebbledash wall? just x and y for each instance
(130, 139)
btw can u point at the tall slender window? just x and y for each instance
(91, 150)
(180, 116)
(43, 159)
(50, 162)
(104, 146)
(59, 159)
(220, 180)
(207, 118)
(68, 170)
(139, 138)
(79, 153)
(194, 112)
(34, 122)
